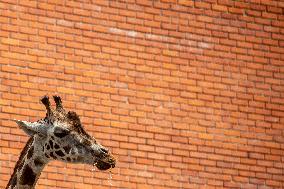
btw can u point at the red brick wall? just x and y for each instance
(187, 94)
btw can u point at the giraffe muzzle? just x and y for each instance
(105, 163)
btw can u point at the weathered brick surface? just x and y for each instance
(187, 94)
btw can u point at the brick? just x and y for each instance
(10, 41)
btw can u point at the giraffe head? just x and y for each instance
(64, 138)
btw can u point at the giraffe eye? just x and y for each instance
(61, 132)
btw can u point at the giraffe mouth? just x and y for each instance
(106, 164)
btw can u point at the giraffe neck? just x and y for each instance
(29, 166)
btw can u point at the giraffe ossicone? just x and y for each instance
(59, 136)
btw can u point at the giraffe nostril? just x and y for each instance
(104, 150)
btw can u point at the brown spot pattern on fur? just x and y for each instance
(51, 155)
(67, 149)
(60, 153)
(38, 162)
(28, 176)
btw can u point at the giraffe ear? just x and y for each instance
(32, 128)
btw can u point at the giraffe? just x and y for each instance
(59, 136)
